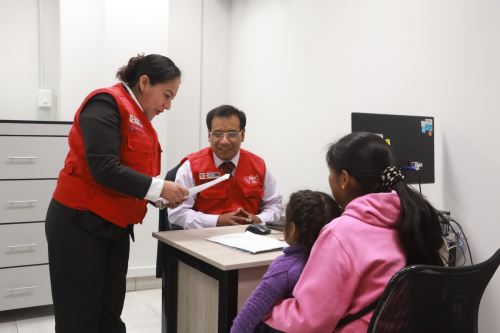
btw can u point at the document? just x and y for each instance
(196, 189)
(249, 242)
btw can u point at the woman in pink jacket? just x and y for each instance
(386, 225)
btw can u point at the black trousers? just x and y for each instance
(88, 261)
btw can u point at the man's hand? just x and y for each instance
(254, 219)
(233, 218)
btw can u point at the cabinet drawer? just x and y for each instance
(34, 128)
(25, 200)
(24, 287)
(23, 244)
(23, 157)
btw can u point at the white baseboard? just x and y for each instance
(141, 278)
(139, 271)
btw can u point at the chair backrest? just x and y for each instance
(422, 299)
(164, 225)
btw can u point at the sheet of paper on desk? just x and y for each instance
(197, 189)
(249, 242)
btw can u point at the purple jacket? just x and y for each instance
(277, 284)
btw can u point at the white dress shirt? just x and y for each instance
(270, 207)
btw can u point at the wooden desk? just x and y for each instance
(206, 283)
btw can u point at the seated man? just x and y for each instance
(250, 194)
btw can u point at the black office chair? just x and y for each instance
(423, 299)
(164, 224)
(428, 299)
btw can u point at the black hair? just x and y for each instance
(226, 111)
(365, 156)
(310, 211)
(158, 68)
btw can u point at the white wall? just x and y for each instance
(199, 44)
(215, 59)
(98, 37)
(20, 57)
(184, 42)
(19, 18)
(299, 71)
(470, 101)
(82, 58)
(299, 68)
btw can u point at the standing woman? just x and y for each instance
(102, 191)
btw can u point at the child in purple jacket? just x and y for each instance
(306, 214)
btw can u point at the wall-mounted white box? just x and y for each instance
(44, 98)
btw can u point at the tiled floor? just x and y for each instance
(141, 314)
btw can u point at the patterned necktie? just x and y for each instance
(227, 167)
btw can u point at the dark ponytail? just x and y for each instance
(419, 229)
(365, 156)
(158, 68)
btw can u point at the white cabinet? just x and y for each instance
(31, 156)
(25, 200)
(26, 286)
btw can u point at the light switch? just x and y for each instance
(44, 98)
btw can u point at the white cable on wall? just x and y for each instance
(41, 78)
(44, 95)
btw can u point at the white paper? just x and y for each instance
(250, 242)
(197, 189)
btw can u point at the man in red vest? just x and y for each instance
(250, 195)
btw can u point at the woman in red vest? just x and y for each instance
(102, 191)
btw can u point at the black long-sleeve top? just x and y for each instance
(100, 124)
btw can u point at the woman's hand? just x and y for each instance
(174, 193)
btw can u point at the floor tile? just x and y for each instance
(156, 328)
(137, 312)
(141, 314)
(152, 298)
(36, 325)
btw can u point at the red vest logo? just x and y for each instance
(133, 119)
(251, 179)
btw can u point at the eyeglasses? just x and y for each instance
(231, 135)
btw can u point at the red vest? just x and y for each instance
(139, 150)
(245, 189)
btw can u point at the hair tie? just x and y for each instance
(391, 176)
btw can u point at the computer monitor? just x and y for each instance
(410, 137)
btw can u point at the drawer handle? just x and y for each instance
(21, 245)
(21, 288)
(17, 202)
(22, 157)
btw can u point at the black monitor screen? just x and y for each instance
(410, 137)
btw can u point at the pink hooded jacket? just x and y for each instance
(350, 264)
